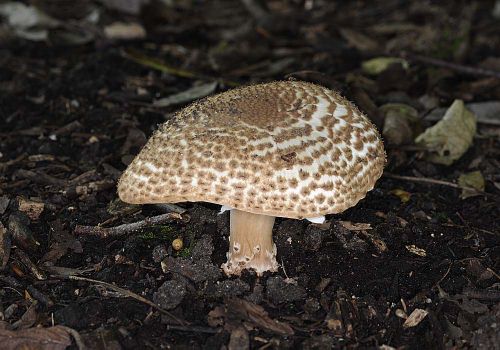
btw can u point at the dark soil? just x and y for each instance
(73, 116)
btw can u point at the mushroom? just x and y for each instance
(282, 149)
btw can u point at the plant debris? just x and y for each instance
(451, 137)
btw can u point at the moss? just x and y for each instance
(160, 232)
(185, 253)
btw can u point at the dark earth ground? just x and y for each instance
(73, 116)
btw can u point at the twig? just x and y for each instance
(30, 265)
(434, 182)
(493, 272)
(5, 165)
(78, 338)
(470, 228)
(40, 178)
(444, 276)
(423, 179)
(258, 11)
(36, 294)
(454, 66)
(130, 294)
(157, 64)
(104, 232)
(193, 329)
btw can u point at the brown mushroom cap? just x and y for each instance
(288, 149)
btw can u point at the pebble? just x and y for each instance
(231, 288)
(278, 291)
(170, 294)
(159, 253)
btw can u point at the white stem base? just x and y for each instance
(251, 244)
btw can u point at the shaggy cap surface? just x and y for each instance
(288, 149)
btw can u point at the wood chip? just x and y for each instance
(31, 208)
(415, 318)
(356, 226)
(412, 248)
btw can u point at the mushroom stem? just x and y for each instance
(251, 244)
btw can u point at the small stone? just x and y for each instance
(170, 294)
(239, 339)
(313, 238)
(195, 271)
(311, 305)
(231, 288)
(278, 291)
(160, 252)
(349, 240)
(203, 248)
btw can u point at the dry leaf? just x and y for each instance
(358, 40)
(451, 137)
(472, 180)
(402, 194)
(27, 22)
(255, 314)
(61, 242)
(355, 226)
(52, 338)
(377, 65)
(124, 31)
(376, 241)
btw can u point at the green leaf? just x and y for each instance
(377, 65)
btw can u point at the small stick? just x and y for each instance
(36, 294)
(5, 165)
(78, 339)
(130, 294)
(423, 179)
(40, 178)
(193, 329)
(30, 265)
(434, 182)
(454, 66)
(104, 232)
(444, 276)
(493, 272)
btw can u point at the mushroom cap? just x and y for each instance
(291, 149)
